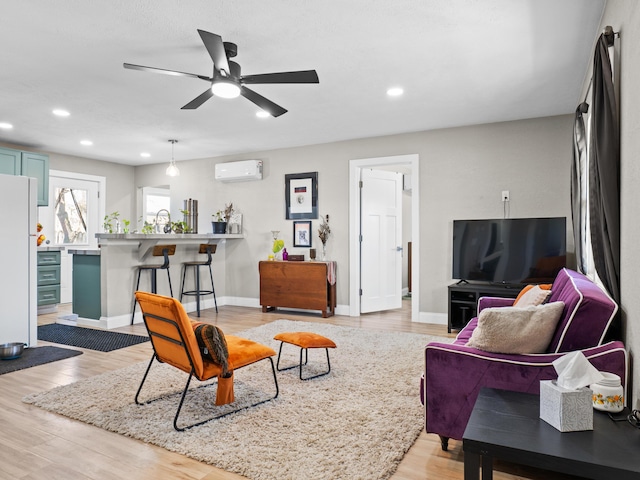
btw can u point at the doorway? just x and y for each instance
(410, 162)
(72, 218)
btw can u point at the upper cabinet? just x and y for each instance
(27, 164)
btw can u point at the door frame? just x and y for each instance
(66, 265)
(355, 167)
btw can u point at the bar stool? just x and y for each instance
(209, 249)
(158, 251)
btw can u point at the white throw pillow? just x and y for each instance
(534, 296)
(516, 330)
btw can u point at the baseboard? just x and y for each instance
(432, 317)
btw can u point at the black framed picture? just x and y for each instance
(301, 195)
(302, 233)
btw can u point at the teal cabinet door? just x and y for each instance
(10, 161)
(37, 165)
(27, 164)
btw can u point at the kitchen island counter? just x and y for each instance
(120, 254)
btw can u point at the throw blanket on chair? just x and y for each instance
(213, 346)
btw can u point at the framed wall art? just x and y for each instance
(301, 195)
(302, 233)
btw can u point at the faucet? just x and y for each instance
(167, 225)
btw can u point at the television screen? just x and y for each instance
(509, 251)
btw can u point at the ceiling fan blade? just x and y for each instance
(302, 76)
(215, 47)
(199, 100)
(165, 72)
(267, 105)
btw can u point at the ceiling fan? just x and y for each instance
(227, 82)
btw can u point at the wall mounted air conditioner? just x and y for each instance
(239, 171)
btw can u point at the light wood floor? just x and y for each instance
(36, 444)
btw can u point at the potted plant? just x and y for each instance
(218, 223)
(221, 219)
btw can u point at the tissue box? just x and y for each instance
(566, 410)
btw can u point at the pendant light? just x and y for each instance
(172, 169)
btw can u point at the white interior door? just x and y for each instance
(381, 240)
(72, 219)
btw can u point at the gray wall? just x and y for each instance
(462, 174)
(624, 17)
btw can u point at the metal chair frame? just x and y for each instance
(165, 251)
(182, 343)
(306, 351)
(209, 249)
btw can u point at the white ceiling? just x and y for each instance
(460, 62)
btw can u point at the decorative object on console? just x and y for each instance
(278, 244)
(172, 169)
(301, 195)
(323, 232)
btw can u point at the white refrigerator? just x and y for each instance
(18, 260)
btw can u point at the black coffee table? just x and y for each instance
(506, 425)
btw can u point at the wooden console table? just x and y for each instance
(304, 285)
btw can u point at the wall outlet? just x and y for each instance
(505, 196)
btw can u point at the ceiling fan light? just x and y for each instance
(225, 89)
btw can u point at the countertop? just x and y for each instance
(165, 236)
(46, 248)
(86, 251)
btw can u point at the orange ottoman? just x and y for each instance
(304, 340)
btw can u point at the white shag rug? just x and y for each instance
(355, 423)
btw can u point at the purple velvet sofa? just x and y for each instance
(455, 373)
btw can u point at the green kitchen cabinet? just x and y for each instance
(27, 164)
(86, 284)
(48, 273)
(10, 161)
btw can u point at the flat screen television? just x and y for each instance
(509, 251)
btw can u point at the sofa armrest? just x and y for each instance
(488, 302)
(455, 374)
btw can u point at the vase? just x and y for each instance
(219, 227)
(324, 252)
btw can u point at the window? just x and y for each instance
(155, 199)
(70, 216)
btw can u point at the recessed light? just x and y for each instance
(87, 143)
(145, 154)
(262, 114)
(60, 113)
(6, 126)
(395, 92)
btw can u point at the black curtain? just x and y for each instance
(577, 173)
(604, 171)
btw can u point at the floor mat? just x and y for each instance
(101, 340)
(32, 357)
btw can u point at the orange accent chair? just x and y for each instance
(174, 342)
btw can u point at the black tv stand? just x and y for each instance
(462, 282)
(463, 299)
